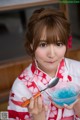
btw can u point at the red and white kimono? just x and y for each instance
(32, 80)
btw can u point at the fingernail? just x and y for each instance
(65, 105)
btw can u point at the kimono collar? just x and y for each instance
(36, 70)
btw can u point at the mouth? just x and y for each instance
(51, 62)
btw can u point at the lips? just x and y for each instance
(51, 62)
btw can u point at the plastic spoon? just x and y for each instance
(50, 85)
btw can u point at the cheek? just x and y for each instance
(39, 54)
(61, 52)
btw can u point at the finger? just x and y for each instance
(40, 103)
(75, 102)
(71, 105)
(24, 98)
(68, 106)
(36, 102)
(46, 108)
(31, 105)
(65, 105)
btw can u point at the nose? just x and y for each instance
(51, 51)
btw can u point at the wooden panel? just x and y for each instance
(74, 54)
(9, 71)
(64, 8)
(3, 106)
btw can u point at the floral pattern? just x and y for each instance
(30, 77)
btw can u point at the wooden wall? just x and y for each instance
(74, 54)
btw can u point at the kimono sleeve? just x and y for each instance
(15, 111)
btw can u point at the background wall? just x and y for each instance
(12, 30)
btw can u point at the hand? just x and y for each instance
(36, 108)
(71, 106)
(75, 106)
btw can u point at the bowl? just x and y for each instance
(66, 94)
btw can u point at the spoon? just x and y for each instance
(50, 85)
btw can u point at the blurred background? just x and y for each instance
(13, 24)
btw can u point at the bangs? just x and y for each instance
(56, 33)
(54, 29)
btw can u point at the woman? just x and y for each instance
(47, 37)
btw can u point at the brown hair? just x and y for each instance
(56, 25)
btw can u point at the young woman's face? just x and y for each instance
(48, 56)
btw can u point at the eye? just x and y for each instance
(43, 44)
(59, 44)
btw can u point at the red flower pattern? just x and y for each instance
(40, 76)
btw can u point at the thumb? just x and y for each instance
(24, 99)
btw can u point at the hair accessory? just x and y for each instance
(69, 44)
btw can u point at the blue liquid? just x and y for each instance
(59, 96)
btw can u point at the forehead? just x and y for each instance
(44, 35)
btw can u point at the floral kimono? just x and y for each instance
(32, 80)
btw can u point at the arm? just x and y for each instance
(76, 107)
(35, 110)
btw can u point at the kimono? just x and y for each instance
(32, 80)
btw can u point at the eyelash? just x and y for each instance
(59, 44)
(44, 44)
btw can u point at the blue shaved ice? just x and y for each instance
(64, 96)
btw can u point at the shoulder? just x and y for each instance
(20, 83)
(26, 74)
(20, 89)
(72, 62)
(73, 66)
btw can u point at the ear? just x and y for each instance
(31, 45)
